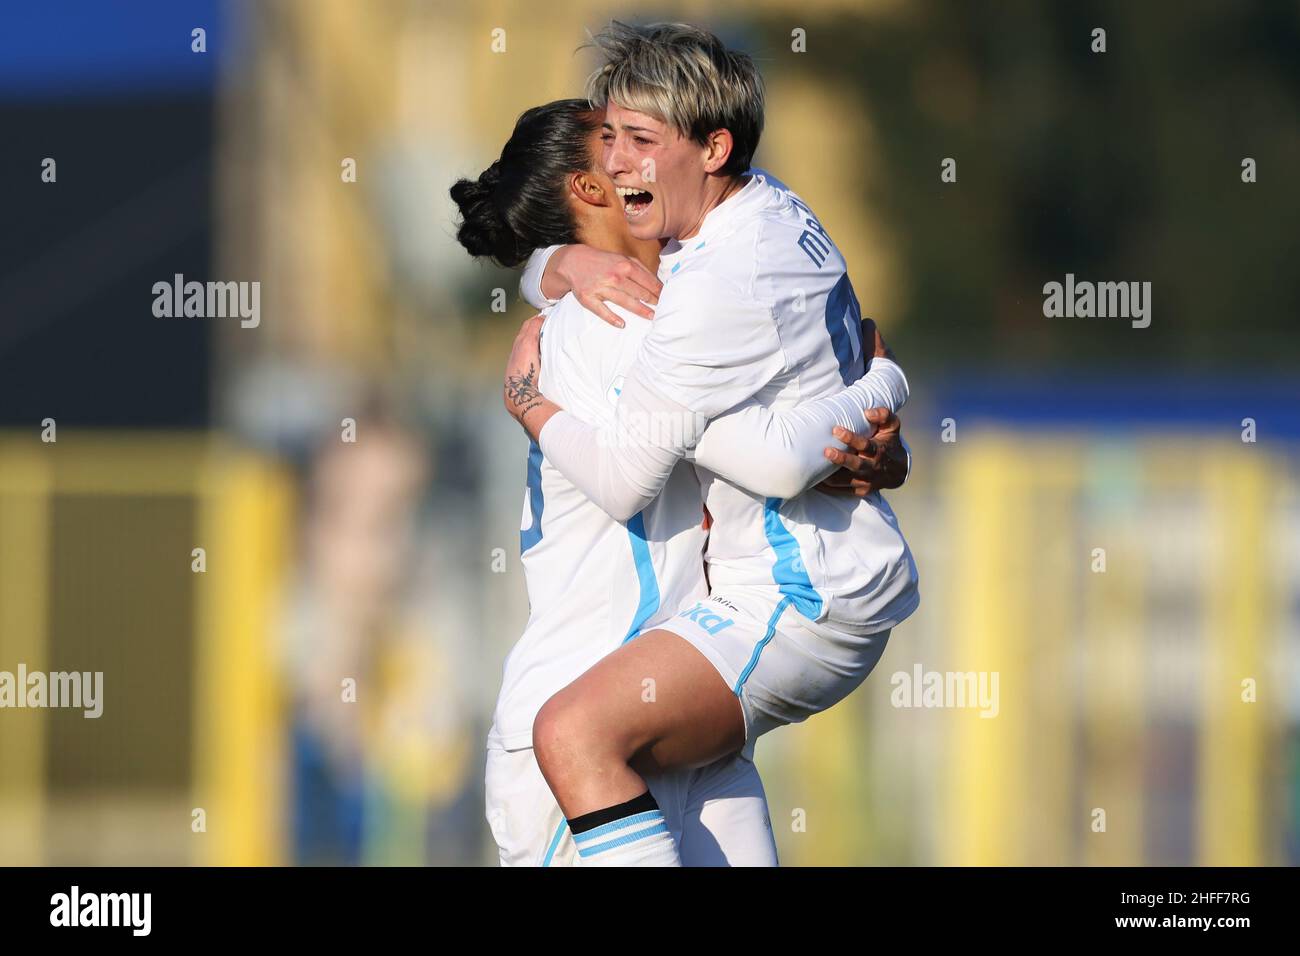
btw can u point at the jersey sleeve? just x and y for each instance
(710, 347)
(530, 283)
(780, 453)
(622, 467)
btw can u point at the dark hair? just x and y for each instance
(517, 204)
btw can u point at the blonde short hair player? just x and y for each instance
(757, 307)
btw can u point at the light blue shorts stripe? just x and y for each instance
(784, 603)
(555, 843)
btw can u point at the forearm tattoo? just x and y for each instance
(523, 392)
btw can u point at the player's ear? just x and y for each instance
(587, 188)
(718, 150)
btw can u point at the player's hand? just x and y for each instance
(524, 369)
(597, 277)
(869, 464)
(871, 339)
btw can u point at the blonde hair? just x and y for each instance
(685, 77)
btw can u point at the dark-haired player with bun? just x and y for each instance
(757, 306)
(593, 582)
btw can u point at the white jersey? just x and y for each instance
(758, 307)
(592, 582)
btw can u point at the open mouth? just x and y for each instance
(635, 201)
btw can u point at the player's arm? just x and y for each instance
(782, 454)
(710, 349)
(870, 462)
(594, 277)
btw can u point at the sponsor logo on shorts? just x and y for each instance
(711, 623)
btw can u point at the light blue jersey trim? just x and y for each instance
(789, 571)
(645, 575)
(533, 533)
(758, 648)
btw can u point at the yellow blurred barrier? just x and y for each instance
(98, 572)
(1131, 608)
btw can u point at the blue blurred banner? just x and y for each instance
(75, 48)
(1210, 404)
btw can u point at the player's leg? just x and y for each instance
(530, 830)
(656, 703)
(651, 706)
(726, 820)
(655, 698)
(526, 823)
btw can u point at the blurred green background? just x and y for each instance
(321, 691)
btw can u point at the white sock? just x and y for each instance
(641, 839)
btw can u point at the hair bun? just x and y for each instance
(483, 230)
(520, 203)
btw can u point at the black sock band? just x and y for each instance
(598, 818)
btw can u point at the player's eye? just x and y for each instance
(641, 140)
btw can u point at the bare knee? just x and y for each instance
(561, 732)
(571, 732)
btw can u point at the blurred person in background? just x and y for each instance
(370, 780)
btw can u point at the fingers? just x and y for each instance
(630, 283)
(531, 327)
(858, 443)
(872, 341)
(834, 489)
(647, 284)
(881, 349)
(869, 333)
(862, 465)
(629, 302)
(596, 304)
(838, 484)
(882, 418)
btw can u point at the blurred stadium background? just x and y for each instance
(377, 560)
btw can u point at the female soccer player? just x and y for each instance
(594, 582)
(756, 307)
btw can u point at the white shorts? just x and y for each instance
(717, 814)
(782, 666)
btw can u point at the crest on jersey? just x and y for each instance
(615, 390)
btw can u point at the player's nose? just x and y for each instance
(615, 159)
